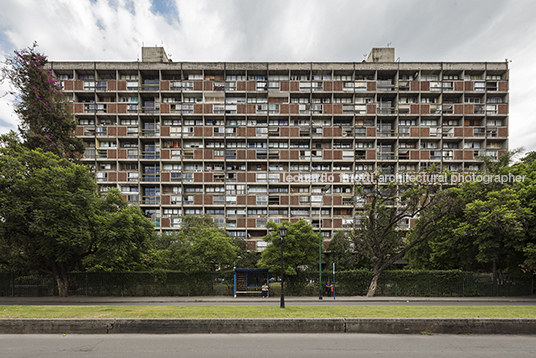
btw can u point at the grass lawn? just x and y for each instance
(266, 311)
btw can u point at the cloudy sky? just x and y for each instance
(290, 30)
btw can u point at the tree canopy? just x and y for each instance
(389, 207)
(51, 217)
(45, 113)
(342, 253)
(199, 245)
(300, 248)
(495, 230)
(123, 238)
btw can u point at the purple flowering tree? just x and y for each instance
(45, 113)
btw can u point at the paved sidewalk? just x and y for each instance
(177, 300)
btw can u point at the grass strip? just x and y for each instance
(267, 311)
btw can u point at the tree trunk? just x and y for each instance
(63, 285)
(62, 279)
(373, 284)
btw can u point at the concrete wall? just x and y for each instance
(385, 54)
(153, 54)
(303, 325)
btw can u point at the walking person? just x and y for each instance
(328, 289)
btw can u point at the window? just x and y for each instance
(429, 122)
(108, 144)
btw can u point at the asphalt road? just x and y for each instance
(390, 303)
(266, 345)
(289, 301)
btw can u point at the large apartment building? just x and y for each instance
(254, 142)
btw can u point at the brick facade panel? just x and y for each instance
(469, 87)
(425, 86)
(425, 155)
(468, 109)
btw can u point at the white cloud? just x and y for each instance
(297, 30)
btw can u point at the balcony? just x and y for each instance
(150, 155)
(386, 110)
(94, 108)
(150, 200)
(386, 133)
(150, 178)
(150, 109)
(386, 156)
(150, 85)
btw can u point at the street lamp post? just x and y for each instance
(282, 233)
(324, 190)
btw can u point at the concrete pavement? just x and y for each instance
(246, 300)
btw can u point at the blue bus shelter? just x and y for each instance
(249, 280)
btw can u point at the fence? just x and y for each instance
(348, 283)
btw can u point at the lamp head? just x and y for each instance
(282, 232)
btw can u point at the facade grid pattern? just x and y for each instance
(255, 142)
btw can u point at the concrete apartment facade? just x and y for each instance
(255, 142)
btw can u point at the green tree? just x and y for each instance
(341, 253)
(496, 226)
(199, 245)
(529, 158)
(526, 192)
(379, 237)
(493, 231)
(51, 218)
(300, 248)
(46, 118)
(44, 205)
(122, 237)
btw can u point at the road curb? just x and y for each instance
(526, 326)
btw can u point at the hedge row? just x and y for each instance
(347, 283)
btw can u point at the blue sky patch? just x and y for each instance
(165, 8)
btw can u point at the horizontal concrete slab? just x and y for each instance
(441, 325)
(282, 325)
